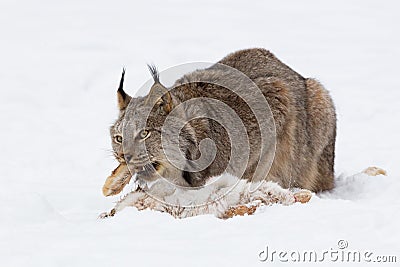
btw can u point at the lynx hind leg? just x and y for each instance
(322, 136)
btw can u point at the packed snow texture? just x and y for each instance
(60, 66)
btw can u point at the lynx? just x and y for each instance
(297, 153)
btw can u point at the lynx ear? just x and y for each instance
(158, 94)
(123, 98)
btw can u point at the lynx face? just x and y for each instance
(137, 133)
(128, 138)
(141, 142)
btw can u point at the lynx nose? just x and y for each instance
(128, 158)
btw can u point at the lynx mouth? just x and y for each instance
(147, 169)
(121, 176)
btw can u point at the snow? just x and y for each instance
(60, 65)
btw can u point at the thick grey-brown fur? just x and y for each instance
(303, 113)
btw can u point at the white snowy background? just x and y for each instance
(60, 66)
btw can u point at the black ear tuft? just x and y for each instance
(123, 98)
(121, 85)
(154, 73)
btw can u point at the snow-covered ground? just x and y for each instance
(60, 65)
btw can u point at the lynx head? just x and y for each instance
(137, 133)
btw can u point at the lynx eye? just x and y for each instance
(118, 139)
(144, 133)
